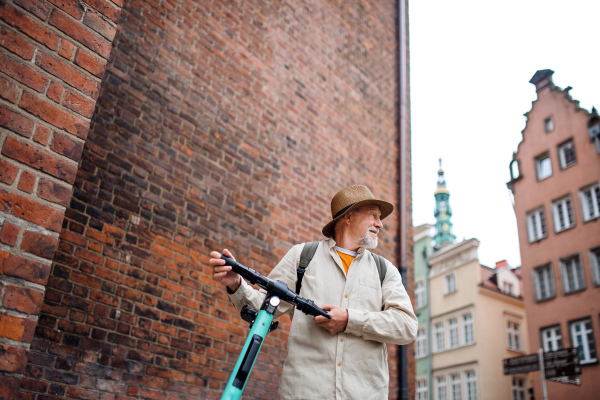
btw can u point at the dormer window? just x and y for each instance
(549, 124)
(566, 154)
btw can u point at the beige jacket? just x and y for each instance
(351, 364)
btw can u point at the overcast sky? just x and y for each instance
(471, 62)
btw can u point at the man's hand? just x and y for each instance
(338, 321)
(222, 273)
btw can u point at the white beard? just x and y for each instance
(367, 241)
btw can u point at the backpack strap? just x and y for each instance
(381, 267)
(307, 254)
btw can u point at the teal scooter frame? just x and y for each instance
(261, 323)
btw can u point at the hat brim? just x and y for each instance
(385, 207)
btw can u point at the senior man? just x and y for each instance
(344, 357)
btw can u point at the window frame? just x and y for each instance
(594, 257)
(421, 391)
(564, 264)
(514, 335)
(559, 205)
(420, 298)
(453, 332)
(562, 162)
(590, 350)
(421, 349)
(554, 340)
(539, 220)
(438, 334)
(550, 284)
(517, 391)
(549, 124)
(539, 166)
(587, 214)
(449, 289)
(471, 330)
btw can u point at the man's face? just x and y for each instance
(365, 224)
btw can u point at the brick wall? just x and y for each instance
(217, 125)
(52, 58)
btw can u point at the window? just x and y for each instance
(422, 390)
(471, 380)
(548, 124)
(440, 388)
(450, 284)
(543, 166)
(453, 333)
(536, 225)
(455, 386)
(562, 210)
(572, 274)
(439, 337)
(468, 329)
(595, 264)
(507, 288)
(514, 335)
(421, 343)
(590, 202)
(419, 294)
(551, 338)
(566, 154)
(518, 388)
(543, 281)
(582, 337)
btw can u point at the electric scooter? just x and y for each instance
(262, 323)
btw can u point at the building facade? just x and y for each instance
(477, 320)
(423, 249)
(555, 180)
(137, 136)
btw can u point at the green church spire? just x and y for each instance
(442, 212)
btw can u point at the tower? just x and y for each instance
(442, 212)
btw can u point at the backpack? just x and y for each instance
(309, 251)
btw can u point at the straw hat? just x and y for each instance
(351, 198)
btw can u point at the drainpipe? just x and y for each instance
(403, 129)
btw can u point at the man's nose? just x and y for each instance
(378, 223)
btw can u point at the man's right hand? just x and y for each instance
(222, 273)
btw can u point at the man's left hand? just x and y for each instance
(338, 321)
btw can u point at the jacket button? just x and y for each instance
(339, 364)
(346, 295)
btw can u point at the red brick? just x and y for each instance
(55, 91)
(66, 49)
(98, 24)
(27, 181)
(15, 43)
(107, 8)
(8, 90)
(64, 70)
(16, 122)
(39, 159)
(39, 244)
(71, 7)
(90, 63)
(63, 144)
(28, 26)
(22, 207)
(54, 192)
(42, 134)
(62, 22)
(54, 115)
(13, 359)
(10, 387)
(17, 328)
(20, 72)
(73, 238)
(39, 8)
(23, 268)
(9, 233)
(8, 172)
(23, 299)
(79, 104)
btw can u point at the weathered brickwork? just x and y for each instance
(216, 125)
(52, 58)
